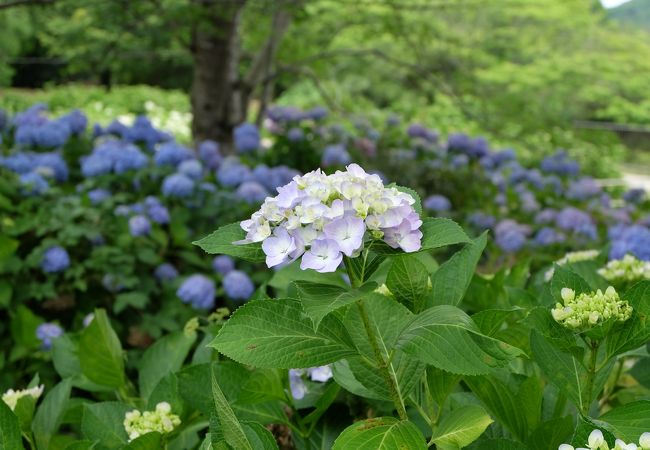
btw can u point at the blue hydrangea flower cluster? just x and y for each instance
(198, 291)
(113, 156)
(55, 259)
(47, 333)
(238, 285)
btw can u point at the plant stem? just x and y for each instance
(381, 362)
(591, 375)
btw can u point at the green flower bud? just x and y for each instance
(587, 310)
(626, 270)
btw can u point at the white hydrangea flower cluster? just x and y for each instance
(596, 441)
(628, 269)
(571, 257)
(161, 420)
(11, 397)
(322, 217)
(297, 383)
(587, 310)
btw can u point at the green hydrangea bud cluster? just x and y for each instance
(587, 310)
(570, 258)
(628, 269)
(161, 420)
(11, 397)
(596, 441)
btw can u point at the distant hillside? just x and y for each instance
(635, 12)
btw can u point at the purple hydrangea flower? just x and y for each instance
(560, 164)
(223, 264)
(572, 219)
(192, 168)
(232, 173)
(97, 196)
(238, 285)
(438, 203)
(635, 195)
(323, 256)
(197, 290)
(335, 155)
(55, 259)
(210, 155)
(481, 220)
(295, 134)
(247, 138)
(33, 183)
(139, 226)
(165, 272)
(172, 154)
(251, 192)
(177, 185)
(583, 189)
(548, 236)
(420, 131)
(510, 236)
(159, 214)
(634, 240)
(47, 333)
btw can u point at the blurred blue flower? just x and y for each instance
(481, 221)
(560, 164)
(112, 283)
(165, 272)
(546, 215)
(223, 264)
(177, 185)
(232, 173)
(335, 155)
(247, 138)
(192, 168)
(251, 192)
(510, 236)
(238, 285)
(97, 196)
(76, 121)
(47, 332)
(583, 189)
(210, 155)
(548, 236)
(159, 214)
(197, 290)
(438, 203)
(417, 130)
(636, 195)
(55, 259)
(633, 240)
(572, 219)
(317, 113)
(33, 183)
(139, 226)
(295, 134)
(172, 154)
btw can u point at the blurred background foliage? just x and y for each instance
(528, 74)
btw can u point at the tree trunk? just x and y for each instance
(216, 100)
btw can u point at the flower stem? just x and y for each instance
(591, 374)
(381, 362)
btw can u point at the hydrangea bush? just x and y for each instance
(327, 310)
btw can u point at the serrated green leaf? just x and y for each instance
(318, 300)
(263, 385)
(104, 422)
(490, 321)
(165, 356)
(408, 281)
(629, 420)
(50, 413)
(446, 337)
(10, 438)
(259, 437)
(277, 334)
(100, 352)
(382, 433)
(221, 242)
(451, 280)
(461, 427)
(635, 331)
(229, 427)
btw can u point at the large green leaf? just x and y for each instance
(276, 334)
(562, 369)
(9, 429)
(165, 356)
(636, 331)
(629, 420)
(50, 413)
(451, 280)
(104, 422)
(263, 385)
(100, 352)
(229, 429)
(408, 281)
(461, 427)
(149, 441)
(446, 337)
(552, 433)
(565, 278)
(259, 436)
(318, 300)
(221, 242)
(381, 433)
(387, 319)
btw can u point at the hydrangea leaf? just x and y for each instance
(229, 429)
(221, 242)
(630, 420)
(147, 441)
(104, 422)
(635, 331)
(450, 282)
(461, 427)
(445, 337)
(10, 438)
(408, 281)
(165, 356)
(50, 413)
(318, 300)
(277, 334)
(381, 433)
(586, 425)
(100, 352)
